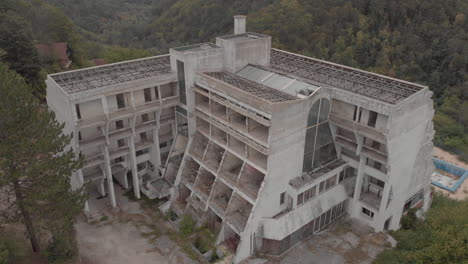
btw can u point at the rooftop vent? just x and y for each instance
(239, 24)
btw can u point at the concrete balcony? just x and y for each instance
(92, 121)
(118, 152)
(204, 184)
(341, 121)
(371, 199)
(239, 131)
(346, 144)
(357, 127)
(238, 213)
(92, 142)
(93, 159)
(231, 168)
(144, 144)
(93, 175)
(220, 198)
(121, 113)
(213, 156)
(150, 125)
(148, 107)
(190, 172)
(370, 132)
(374, 154)
(196, 203)
(119, 134)
(250, 181)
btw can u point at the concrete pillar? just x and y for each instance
(156, 149)
(385, 195)
(125, 180)
(358, 187)
(133, 162)
(239, 24)
(101, 188)
(79, 174)
(110, 183)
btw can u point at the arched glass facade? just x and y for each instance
(319, 147)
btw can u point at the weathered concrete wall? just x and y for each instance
(240, 51)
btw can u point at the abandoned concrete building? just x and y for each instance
(264, 146)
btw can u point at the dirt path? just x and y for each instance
(132, 235)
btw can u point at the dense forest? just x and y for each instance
(424, 41)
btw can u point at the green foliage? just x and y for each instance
(186, 225)
(18, 50)
(442, 238)
(410, 220)
(11, 248)
(62, 248)
(35, 163)
(116, 54)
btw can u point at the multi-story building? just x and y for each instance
(271, 146)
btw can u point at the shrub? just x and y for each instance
(62, 249)
(186, 225)
(11, 249)
(409, 221)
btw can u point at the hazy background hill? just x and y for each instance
(425, 41)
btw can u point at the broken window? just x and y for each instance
(121, 143)
(372, 119)
(144, 118)
(119, 124)
(282, 198)
(300, 198)
(78, 111)
(120, 101)
(368, 212)
(147, 93)
(143, 136)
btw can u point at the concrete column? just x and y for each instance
(358, 187)
(133, 162)
(79, 174)
(110, 183)
(125, 180)
(156, 149)
(239, 24)
(385, 195)
(101, 188)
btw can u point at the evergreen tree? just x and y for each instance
(18, 49)
(35, 166)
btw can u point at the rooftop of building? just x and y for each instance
(244, 36)
(106, 75)
(258, 90)
(197, 47)
(375, 86)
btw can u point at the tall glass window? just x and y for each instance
(181, 79)
(319, 147)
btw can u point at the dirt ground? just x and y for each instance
(134, 234)
(462, 191)
(347, 241)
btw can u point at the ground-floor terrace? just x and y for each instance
(136, 232)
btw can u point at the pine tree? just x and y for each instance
(35, 165)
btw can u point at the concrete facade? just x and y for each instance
(268, 147)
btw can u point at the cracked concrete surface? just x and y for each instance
(131, 235)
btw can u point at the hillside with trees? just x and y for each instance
(416, 40)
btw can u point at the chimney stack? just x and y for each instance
(239, 24)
